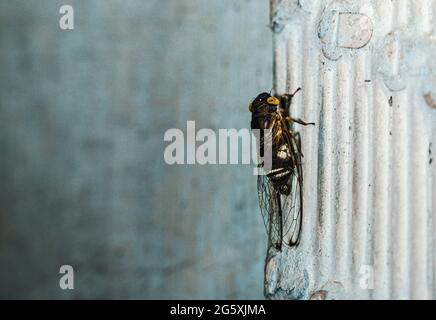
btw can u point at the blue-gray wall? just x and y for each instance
(82, 176)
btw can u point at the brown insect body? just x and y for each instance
(280, 190)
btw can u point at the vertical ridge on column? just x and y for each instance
(419, 207)
(294, 66)
(380, 196)
(360, 169)
(325, 246)
(310, 142)
(280, 62)
(342, 156)
(430, 214)
(400, 197)
(381, 221)
(433, 178)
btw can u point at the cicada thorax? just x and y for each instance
(279, 143)
(283, 163)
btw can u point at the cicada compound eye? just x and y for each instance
(273, 101)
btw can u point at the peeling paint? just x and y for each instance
(354, 30)
(319, 295)
(342, 27)
(297, 292)
(285, 12)
(429, 100)
(271, 274)
(404, 56)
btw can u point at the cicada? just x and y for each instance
(280, 190)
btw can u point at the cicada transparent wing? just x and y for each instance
(292, 213)
(269, 208)
(292, 204)
(282, 214)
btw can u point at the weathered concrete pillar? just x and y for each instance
(367, 70)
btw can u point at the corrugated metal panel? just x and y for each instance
(368, 75)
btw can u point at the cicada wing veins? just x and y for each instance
(292, 213)
(292, 204)
(271, 211)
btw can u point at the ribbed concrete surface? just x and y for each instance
(368, 164)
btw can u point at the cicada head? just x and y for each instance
(263, 108)
(264, 102)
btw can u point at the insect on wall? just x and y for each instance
(280, 190)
